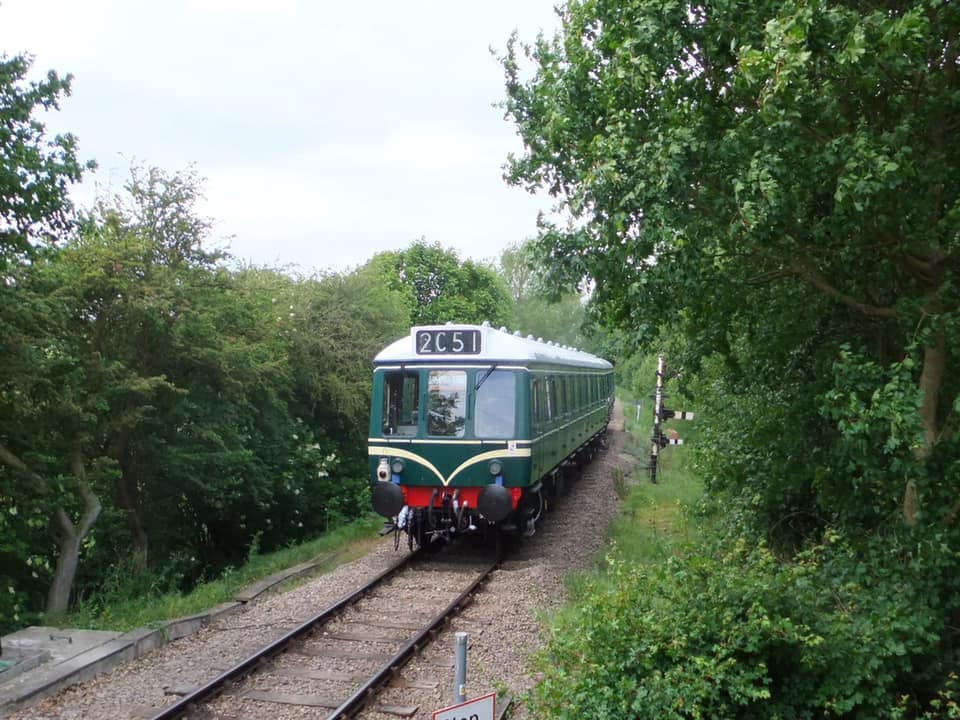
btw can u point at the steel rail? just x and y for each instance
(359, 698)
(215, 686)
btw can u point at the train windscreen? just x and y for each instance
(496, 406)
(446, 403)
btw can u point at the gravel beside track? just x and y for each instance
(505, 623)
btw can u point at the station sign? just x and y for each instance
(481, 708)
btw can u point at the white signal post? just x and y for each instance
(661, 413)
(657, 405)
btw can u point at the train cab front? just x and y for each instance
(426, 511)
(445, 448)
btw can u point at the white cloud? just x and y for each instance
(327, 131)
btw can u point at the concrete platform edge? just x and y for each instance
(41, 682)
(253, 591)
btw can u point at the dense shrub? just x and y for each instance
(730, 631)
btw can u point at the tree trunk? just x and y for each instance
(70, 538)
(934, 359)
(127, 502)
(931, 379)
(127, 496)
(58, 597)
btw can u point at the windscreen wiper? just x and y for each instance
(483, 379)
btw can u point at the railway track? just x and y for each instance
(337, 660)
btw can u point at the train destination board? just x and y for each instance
(448, 342)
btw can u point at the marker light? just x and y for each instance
(496, 467)
(397, 466)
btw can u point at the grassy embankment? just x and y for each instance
(655, 522)
(655, 518)
(125, 610)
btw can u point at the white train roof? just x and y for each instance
(455, 343)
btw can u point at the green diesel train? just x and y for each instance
(474, 428)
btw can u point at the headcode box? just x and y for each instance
(481, 708)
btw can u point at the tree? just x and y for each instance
(100, 316)
(344, 320)
(35, 172)
(716, 155)
(775, 181)
(138, 269)
(47, 438)
(552, 313)
(439, 287)
(130, 372)
(518, 267)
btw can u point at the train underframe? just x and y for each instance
(439, 514)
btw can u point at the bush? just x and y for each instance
(733, 632)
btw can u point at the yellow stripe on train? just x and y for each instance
(407, 455)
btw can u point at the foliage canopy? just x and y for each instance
(776, 173)
(166, 414)
(768, 189)
(35, 171)
(438, 287)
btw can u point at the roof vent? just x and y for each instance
(485, 323)
(530, 337)
(539, 339)
(516, 333)
(503, 328)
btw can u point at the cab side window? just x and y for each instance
(401, 403)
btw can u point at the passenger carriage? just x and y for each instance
(472, 427)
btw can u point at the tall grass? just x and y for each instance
(655, 519)
(125, 607)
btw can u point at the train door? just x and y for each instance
(537, 423)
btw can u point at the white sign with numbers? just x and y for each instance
(481, 708)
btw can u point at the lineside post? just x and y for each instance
(661, 413)
(657, 406)
(460, 669)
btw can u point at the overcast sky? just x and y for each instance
(326, 131)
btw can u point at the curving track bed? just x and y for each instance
(334, 662)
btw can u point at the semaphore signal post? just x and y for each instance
(660, 414)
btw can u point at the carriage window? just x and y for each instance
(446, 402)
(401, 403)
(536, 401)
(551, 398)
(542, 403)
(496, 399)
